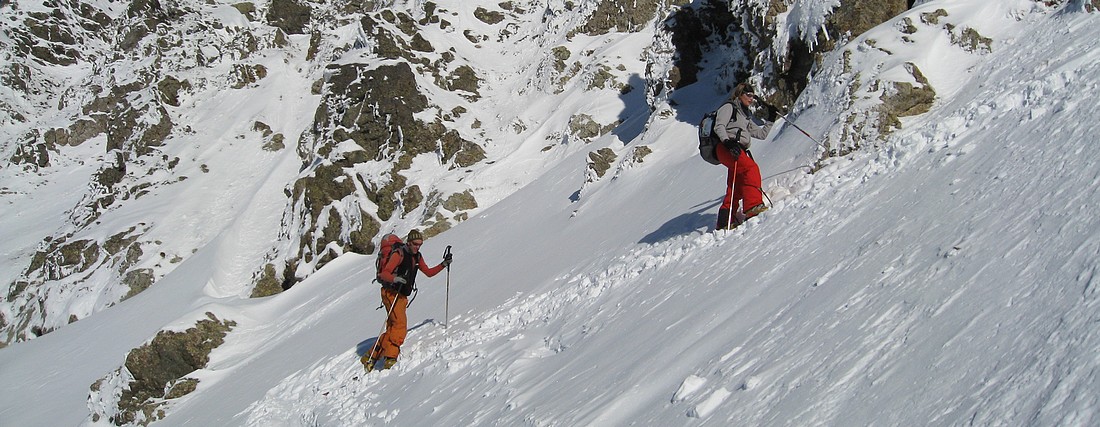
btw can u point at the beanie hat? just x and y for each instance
(414, 234)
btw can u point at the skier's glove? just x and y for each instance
(447, 260)
(733, 147)
(773, 113)
(399, 280)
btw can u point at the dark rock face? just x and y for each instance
(357, 97)
(848, 20)
(600, 161)
(159, 370)
(855, 17)
(613, 15)
(374, 108)
(751, 33)
(289, 15)
(693, 32)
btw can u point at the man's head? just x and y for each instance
(414, 240)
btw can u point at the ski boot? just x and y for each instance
(368, 362)
(755, 210)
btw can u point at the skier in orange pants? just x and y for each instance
(398, 277)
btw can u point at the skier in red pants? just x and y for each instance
(743, 180)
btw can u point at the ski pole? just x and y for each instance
(801, 130)
(733, 203)
(784, 116)
(447, 303)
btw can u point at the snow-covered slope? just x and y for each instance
(928, 282)
(947, 275)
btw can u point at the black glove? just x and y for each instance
(773, 113)
(447, 260)
(733, 147)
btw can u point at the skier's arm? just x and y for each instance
(429, 271)
(759, 128)
(758, 131)
(391, 266)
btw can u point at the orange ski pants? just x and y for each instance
(397, 325)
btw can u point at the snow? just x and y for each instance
(804, 19)
(948, 276)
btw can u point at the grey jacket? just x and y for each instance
(752, 126)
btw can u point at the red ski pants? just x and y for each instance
(397, 325)
(742, 181)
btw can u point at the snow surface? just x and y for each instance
(949, 276)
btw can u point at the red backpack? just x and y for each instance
(390, 244)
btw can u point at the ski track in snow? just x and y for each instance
(339, 383)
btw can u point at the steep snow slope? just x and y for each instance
(947, 276)
(914, 283)
(922, 282)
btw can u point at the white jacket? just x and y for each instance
(734, 114)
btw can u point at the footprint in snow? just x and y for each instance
(712, 402)
(687, 388)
